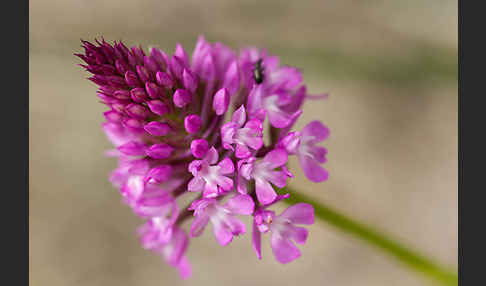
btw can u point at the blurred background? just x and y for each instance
(391, 70)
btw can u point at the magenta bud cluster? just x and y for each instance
(195, 126)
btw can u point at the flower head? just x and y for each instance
(182, 124)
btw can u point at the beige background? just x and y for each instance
(391, 69)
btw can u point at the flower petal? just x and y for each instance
(226, 166)
(184, 268)
(255, 137)
(189, 80)
(221, 101)
(240, 204)
(264, 191)
(198, 224)
(235, 226)
(319, 154)
(278, 178)
(222, 234)
(312, 169)
(241, 185)
(300, 213)
(298, 234)
(316, 129)
(254, 102)
(239, 116)
(159, 174)
(278, 118)
(242, 151)
(232, 78)
(178, 246)
(257, 241)
(211, 189)
(276, 158)
(224, 182)
(196, 184)
(181, 54)
(283, 249)
(211, 156)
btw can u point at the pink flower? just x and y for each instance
(156, 203)
(245, 136)
(304, 145)
(263, 172)
(211, 178)
(225, 224)
(283, 230)
(160, 236)
(155, 233)
(129, 177)
(174, 252)
(261, 103)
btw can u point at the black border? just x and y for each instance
(15, 135)
(472, 144)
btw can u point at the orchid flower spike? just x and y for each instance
(181, 124)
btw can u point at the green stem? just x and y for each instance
(402, 253)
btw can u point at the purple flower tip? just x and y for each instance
(143, 74)
(132, 148)
(158, 174)
(137, 111)
(152, 90)
(121, 94)
(189, 80)
(181, 98)
(157, 128)
(199, 148)
(221, 101)
(158, 107)
(113, 116)
(132, 79)
(164, 79)
(138, 95)
(159, 151)
(192, 123)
